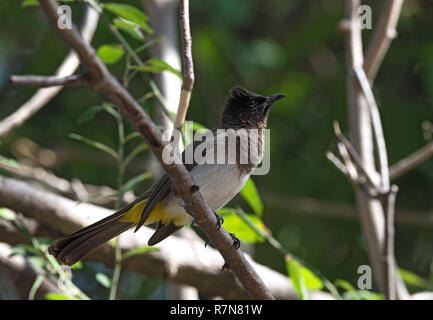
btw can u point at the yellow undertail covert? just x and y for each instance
(157, 214)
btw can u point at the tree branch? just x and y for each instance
(382, 37)
(43, 96)
(411, 161)
(101, 79)
(49, 81)
(187, 65)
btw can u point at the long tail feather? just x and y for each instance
(71, 249)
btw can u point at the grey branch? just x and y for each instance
(74, 189)
(324, 209)
(377, 126)
(187, 65)
(44, 95)
(101, 79)
(178, 260)
(411, 161)
(21, 274)
(382, 37)
(49, 81)
(362, 114)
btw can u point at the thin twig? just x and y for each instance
(44, 95)
(377, 126)
(75, 80)
(411, 161)
(382, 37)
(187, 65)
(355, 159)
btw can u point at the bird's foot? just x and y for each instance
(220, 220)
(236, 241)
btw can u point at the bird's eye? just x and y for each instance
(251, 102)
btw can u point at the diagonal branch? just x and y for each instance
(75, 80)
(411, 161)
(101, 79)
(382, 37)
(377, 126)
(44, 95)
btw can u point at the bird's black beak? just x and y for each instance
(273, 98)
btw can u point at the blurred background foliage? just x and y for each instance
(273, 46)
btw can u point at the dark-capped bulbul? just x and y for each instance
(218, 184)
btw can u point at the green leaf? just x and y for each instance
(18, 250)
(94, 144)
(294, 269)
(103, 280)
(110, 54)
(234, 224)
(131, 136)
(89, 114)
(138, 251)
(129, 13)
(155, 66)
(110, 109)
(412, 278)
(58, 296)
(312, 282)
(351, 293)
(369, 295)
(38, 261)
(132, 183)
(29, 3)
(7, 214)
(10, 162)
(136, 151)
(23, 249)
(77, 265)
(130, 28)
(197, 126)
(250, 194)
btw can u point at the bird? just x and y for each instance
(217, 182)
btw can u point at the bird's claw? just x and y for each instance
(220, 220)
(236, 241)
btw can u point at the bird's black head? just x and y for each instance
(246, 109)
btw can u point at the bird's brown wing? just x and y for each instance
(163, 187)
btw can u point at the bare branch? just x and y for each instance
(341, 210)
(73, 189)
(101, 79)
(390, 267)
(377, 126)
(187, 65)
(337, 163)
(382, 37)
(411, 161)
(43, 96)
(49, 81)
